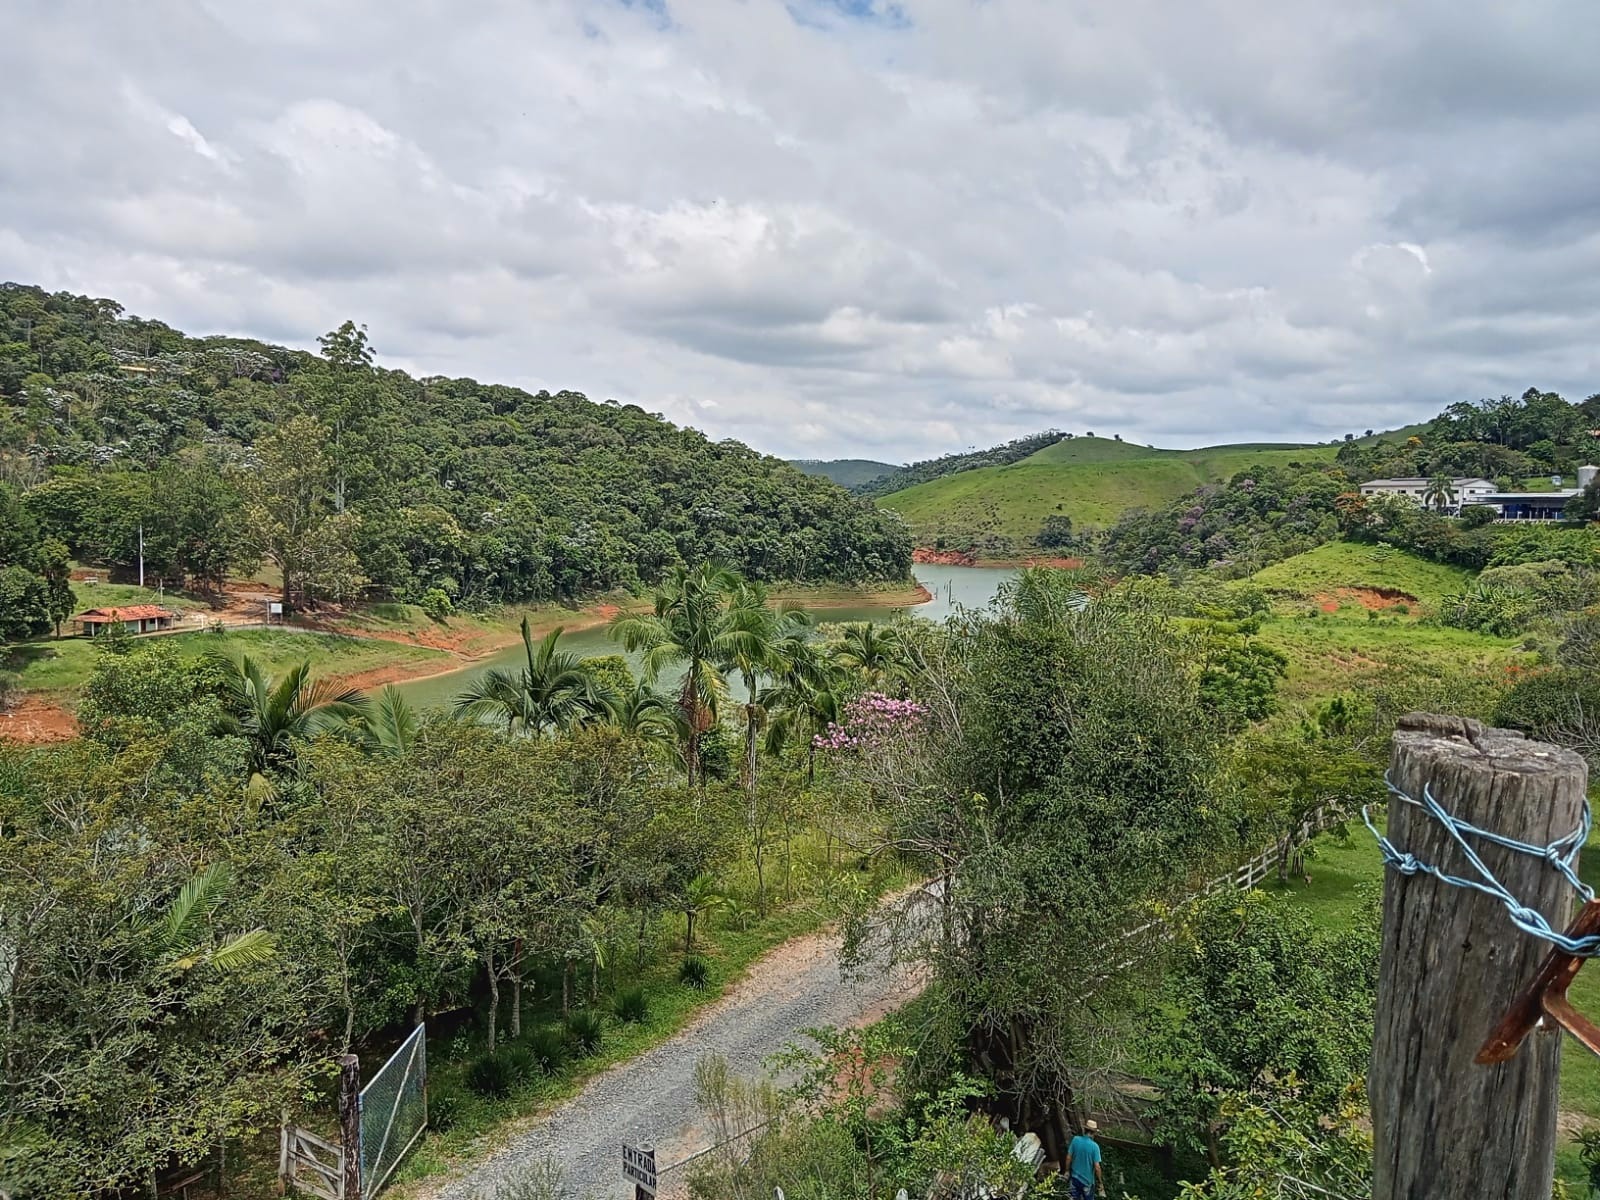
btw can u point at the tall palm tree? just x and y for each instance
(389, 726)
(1440, 493)
(551, 690)
(275, 714)
(761, 640)
(804, 698)
(688, 627)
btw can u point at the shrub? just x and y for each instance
(694, 972)
(585, 1028)
(436, 603)
(444, 1107)
(524, 1066)
(633, 1006)
(1474, 516)
(548, 1048)
(491, 1075)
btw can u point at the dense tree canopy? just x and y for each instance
(226, 449)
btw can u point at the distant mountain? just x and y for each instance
(846, 472)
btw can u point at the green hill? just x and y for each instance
(1336, 571)
(997, 511)
(846, 472)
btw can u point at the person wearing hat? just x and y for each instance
(1083, 1159)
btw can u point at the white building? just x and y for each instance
(1468, 490)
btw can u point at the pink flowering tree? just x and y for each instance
(872, 720)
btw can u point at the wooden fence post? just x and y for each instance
(350, 1123)
(1453, 961)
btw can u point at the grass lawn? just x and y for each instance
(119, 595)
(58, 669)
(1333, 653)
(1319, 574)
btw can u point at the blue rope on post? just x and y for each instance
(1560, 854)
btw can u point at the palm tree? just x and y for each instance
(551, 690)
(389, 727)
(1440, 493)
(689, 627)
(806, 695)
(176, 933)
(761, 640)
(876, 651)
(644, 713)
(701, 896)
(275, 714)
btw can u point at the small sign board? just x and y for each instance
(275, 607)
(639, 1165)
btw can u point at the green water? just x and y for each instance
(952, 587)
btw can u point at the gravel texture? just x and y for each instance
(650, 1099)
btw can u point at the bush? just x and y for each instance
(585, 1028)
(694, 972)
(491, 1075)
(524, 1066)
(1474, 516)
(548, 1048)
(444, 1107)
(436, 603)
(633, 1006)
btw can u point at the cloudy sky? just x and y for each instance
(843, 227)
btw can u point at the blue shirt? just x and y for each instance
(1084, 1154)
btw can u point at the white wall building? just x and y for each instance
(1468, 489)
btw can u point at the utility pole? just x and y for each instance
(1453, 962)
(141, 553)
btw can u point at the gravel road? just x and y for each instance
(650, 1099)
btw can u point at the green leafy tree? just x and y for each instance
(291, 517)
(1259, 1002)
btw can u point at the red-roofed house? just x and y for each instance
(138, 618)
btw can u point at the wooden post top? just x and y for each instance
(1463, 740)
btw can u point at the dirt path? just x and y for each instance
(797, 987)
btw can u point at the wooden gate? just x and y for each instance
(310, 1164)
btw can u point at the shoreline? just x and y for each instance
(42, 718)
(966, 558)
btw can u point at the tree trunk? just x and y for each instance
(516, 989)
(566, 986)
(494, 994)
(688, 931)
(1452, 962)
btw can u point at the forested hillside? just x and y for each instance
(356, 480)
(954, 464)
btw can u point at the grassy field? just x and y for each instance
(1319, 575)
(1092, 480)
(55, 671)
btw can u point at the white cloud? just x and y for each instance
(844, 228)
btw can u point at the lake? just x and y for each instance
(952, 587)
